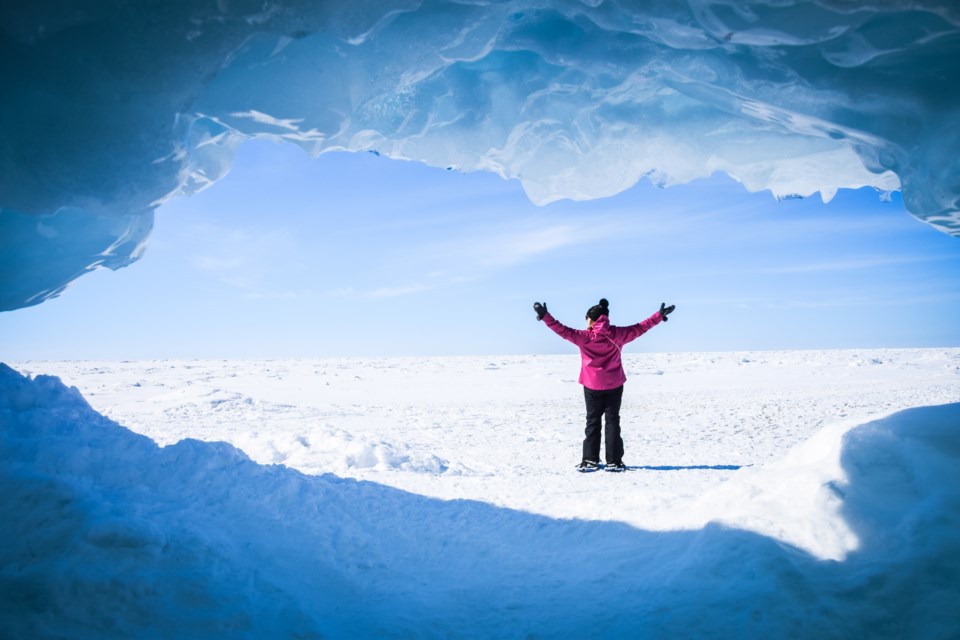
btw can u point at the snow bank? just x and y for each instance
(108, 535)
(112, 108)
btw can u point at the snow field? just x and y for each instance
(508, 430)
(776, 495)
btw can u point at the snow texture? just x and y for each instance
(110, 108)
(778, 494)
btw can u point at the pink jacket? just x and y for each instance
(600, 348)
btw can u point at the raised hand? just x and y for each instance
(541, 309)
(665, 310)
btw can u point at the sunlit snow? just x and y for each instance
(775, 494)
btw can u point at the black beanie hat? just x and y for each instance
(597, 310)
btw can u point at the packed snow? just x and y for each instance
(770, 494)
(112, 108)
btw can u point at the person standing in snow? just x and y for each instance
(602, 375)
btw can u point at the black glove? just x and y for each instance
(665, 310)
(541, 309)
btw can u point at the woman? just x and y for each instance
(602, 375)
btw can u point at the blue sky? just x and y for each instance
(354, 254)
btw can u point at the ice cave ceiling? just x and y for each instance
(112, 107)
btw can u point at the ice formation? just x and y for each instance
(110, 108)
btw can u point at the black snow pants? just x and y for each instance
(605, 404)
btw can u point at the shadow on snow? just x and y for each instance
(695, 467)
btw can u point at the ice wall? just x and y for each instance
(110, 107)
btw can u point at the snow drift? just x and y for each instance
(110, 108)
(108, 535)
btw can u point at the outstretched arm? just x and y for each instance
(573, 335)
(635, 331)
(576, 336)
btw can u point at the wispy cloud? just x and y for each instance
(833, 300)
(383, 292)
(508, 246)
(476, 253)
(852, 264)
(217, 264)
(778, 303)
(250, 259)
(279, 295)
(395, 292)
(513, 248)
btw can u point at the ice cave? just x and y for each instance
(111, 108)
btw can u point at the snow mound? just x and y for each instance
(112, 108)
(108, 535)
(329, 449)
(850, 486)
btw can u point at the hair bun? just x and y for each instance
(604, 303)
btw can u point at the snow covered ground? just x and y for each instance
(771, 494)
